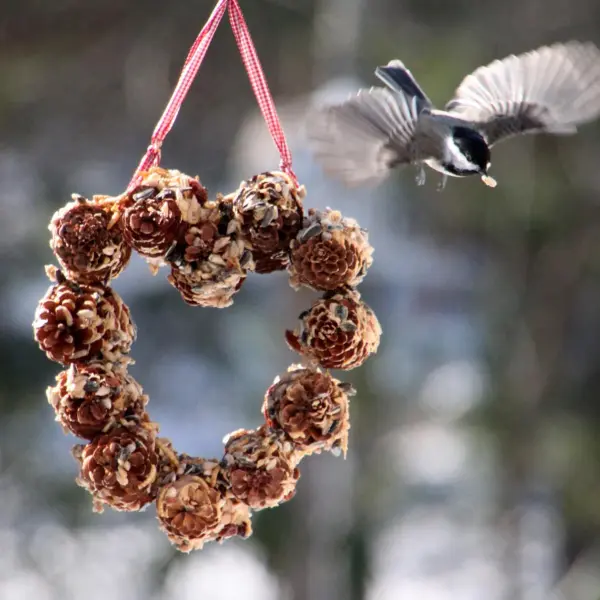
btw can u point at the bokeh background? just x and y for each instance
(474, 463)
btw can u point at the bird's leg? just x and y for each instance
(442, 183)
(420, 179)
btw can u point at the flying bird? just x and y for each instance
(549, 90)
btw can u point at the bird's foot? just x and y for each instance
(442, 183)
(421, 177)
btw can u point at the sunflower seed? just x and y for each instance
(249, 201)
(333, 427)
(246, 258)
(341, 312)
(91, 386)
(270, 215)
(170, 254)
(348, 327)
(165, 193)
(144, 194)
(232, 227)
(310, 232)
(304, 337)
(193, 470)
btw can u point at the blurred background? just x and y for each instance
(474, 462)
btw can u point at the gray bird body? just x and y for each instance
(549, 90)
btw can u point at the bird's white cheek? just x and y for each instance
(457, 158)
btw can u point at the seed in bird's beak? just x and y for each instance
(489, 181)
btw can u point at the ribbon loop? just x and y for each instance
(188, 74)
(190, 69)
(259, 85)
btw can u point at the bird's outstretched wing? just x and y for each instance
(361, 139)
(398, 78)
(552, 89)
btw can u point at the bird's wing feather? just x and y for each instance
(398, 78)
(552, 89)
(361, 139)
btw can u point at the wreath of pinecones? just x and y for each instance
(210, 246)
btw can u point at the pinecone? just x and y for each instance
(311, 407)
(329, 252)
(210, 260)
(88, 241)
(269, 206)
(120, 468)
(189, 194)
(339, 331)
(91, 399)
(260, 467)
(151, 222)
(197, 508)
(79, 323)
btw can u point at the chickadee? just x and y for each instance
(552, 90)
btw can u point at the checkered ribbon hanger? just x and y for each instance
(188, 74)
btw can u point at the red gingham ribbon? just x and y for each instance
(259, 84)
(190, 69)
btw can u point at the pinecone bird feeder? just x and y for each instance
(209, 245)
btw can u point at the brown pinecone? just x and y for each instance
(260, 467)
(311, 407)
(269, 206)
(151, 222)
(88, 241)
(339, 331)
(329, 252)
(210, 260)
(120, 467)
(78, 323)
(197, 508)
(91, 399)
(189, 194)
